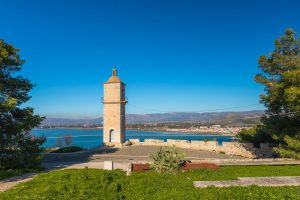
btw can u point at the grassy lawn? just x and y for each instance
(10, 173)
(99, 184)
(16, 172)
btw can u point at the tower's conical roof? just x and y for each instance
(114, 78)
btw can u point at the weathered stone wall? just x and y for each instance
(230, 148)
(114, 113)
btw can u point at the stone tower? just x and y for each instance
(114, 111)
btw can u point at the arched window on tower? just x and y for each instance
(111, 135)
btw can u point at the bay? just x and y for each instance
(89, 138)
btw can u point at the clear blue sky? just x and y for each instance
(173, 55)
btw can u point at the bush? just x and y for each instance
(254, 135)
(68, 149)
(290, 148)
(286, 147)
(167, 159)
(9, 173)
(26, 156)
(4, 174)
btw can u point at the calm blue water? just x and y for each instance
(93, 138)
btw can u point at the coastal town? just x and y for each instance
(189, 128)
(212, 129)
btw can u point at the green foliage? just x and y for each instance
(17, 172)
(73, 184)
(151, 185)
(10, 173)
(290, 148)
(17, 147)
(167, 159)
(100, 184)
(255, 135)
(281, 78)
(68, 149)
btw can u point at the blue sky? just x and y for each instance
(174, 56)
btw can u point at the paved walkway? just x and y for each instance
(247, 181)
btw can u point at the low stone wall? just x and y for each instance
(230, 148)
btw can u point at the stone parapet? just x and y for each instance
(230, 148)
(179, 143)
(153, 142)
(134, 141)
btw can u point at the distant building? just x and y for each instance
(114, 111)
(215, 126)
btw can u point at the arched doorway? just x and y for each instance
(112, 135)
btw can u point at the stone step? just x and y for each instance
(247, 181)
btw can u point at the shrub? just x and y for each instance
(287, 147)
(68, 149)
(26, 156)
(254, 135)
(290, 148)
(4, 174)
(167, 159)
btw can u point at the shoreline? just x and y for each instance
(68, 128)
(184, 131)
(146, 130)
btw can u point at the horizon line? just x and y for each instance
(77, 116)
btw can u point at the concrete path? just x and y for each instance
(247, 181)
(90, 164)
(240, 162)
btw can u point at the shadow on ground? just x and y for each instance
(96, 156)
(18, 178)
(62, 160)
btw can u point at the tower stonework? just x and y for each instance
(114, 111)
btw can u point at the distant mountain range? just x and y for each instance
(244, 117)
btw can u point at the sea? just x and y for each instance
(90, 138)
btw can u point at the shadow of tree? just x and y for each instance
(262, 150)
(62, 160)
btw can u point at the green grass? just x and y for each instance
(98, 184)
(4, 174)
(68, 149)
(10, 173)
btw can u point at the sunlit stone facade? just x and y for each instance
(114, 102)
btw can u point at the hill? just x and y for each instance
(244, 117)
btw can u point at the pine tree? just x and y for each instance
(17, 146)
(281, 78)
